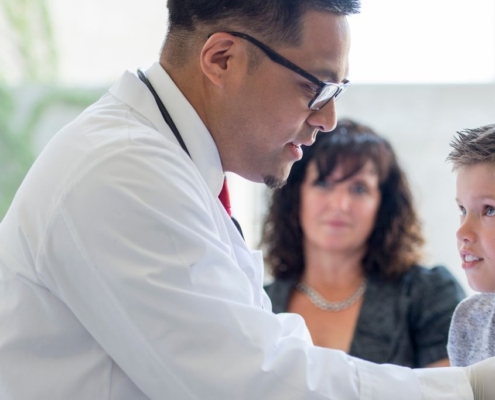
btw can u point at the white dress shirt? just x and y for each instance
(122, 277)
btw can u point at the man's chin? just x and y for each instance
(273, 182)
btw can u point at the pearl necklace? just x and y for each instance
(331, 306)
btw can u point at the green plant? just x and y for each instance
(31, 39)
(17, 151)
(35, 58)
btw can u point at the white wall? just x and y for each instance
(421, 41)
(420, 121)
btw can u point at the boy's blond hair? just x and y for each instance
(473, 146)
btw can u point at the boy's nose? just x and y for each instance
(466, 232)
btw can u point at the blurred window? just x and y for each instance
(423, 41)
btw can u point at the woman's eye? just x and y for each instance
(323, 184)
(490, 211)
(359, 189)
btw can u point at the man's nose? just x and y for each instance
(324, 119)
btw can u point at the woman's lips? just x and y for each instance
(337, 223)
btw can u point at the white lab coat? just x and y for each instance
(122, 277)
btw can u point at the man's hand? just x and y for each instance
(482, 378)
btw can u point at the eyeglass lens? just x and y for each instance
(326, 94)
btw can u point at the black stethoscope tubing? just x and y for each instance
(166, 116)
(168, 119)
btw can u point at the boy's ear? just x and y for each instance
(222, 57)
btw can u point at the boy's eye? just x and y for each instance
(490, 211)
(462, 211)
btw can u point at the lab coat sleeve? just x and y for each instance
(136, 251)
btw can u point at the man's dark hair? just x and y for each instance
(395, 242)
(277, 21)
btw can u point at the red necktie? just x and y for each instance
(225, 197)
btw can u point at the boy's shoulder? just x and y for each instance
(476, 305)
(475, 311)
(472, 331)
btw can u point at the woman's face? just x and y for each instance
(339, 217)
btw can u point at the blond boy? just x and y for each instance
(472, 331)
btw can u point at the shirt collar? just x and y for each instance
(196, 136)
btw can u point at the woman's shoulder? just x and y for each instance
(421, 278)
(421, 285)
(279, 291)
(432, 291)
(427, 273)
(432, 279)
(277, 284)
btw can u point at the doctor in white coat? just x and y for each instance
(122, 275)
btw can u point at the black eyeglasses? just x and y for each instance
(326, 90)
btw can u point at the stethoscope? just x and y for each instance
(168, 119)
(166, 116)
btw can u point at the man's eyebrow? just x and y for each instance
(329, 75)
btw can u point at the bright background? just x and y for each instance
(425, 41)
(420, 70)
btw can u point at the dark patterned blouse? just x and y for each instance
(404, 322)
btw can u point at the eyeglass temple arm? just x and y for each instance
(278, 58)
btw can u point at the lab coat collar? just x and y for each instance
(196, 136)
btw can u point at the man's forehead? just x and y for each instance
(324, 47)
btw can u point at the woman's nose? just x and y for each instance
(339, 198)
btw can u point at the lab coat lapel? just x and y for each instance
(250, 262)
(130, 90)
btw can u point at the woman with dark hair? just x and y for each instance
(343, 242)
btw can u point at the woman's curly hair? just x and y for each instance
(395, 243)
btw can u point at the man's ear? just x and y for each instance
(222, 55)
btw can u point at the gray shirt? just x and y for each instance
(472, 332)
